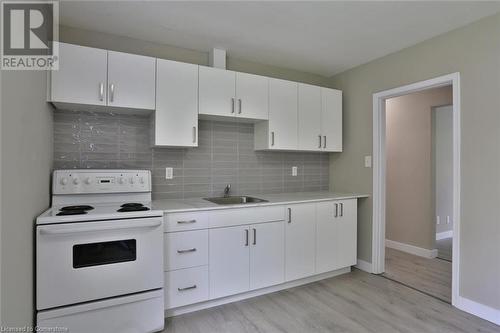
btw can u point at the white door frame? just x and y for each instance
(379, 165)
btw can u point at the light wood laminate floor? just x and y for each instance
(432, 276)
(354, 302)
(444, 247)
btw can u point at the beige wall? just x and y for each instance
(26, 159)
(130, 45)
(474, 51)
(409, 176)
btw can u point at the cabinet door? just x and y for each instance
(309, 117)
(176, 115)
(331, 119)
(347, 233)
(81, 77)
(282, 114)
(229, 261)
(217, 92)
(252, 92)
(267, 254)
(300, 234)
(327, 236)
(131, 81)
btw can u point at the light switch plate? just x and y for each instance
(294, 171)
(169, 173)
(368, 161)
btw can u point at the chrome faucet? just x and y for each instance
(227, 190)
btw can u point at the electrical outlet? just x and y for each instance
(368, 161)
(169, 173)
(294, 171)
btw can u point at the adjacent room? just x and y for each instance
(249, 166)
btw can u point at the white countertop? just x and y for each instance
(194, 204)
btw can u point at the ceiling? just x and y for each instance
(317, 37)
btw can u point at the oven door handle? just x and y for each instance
(58, 230)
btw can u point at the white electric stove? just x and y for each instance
(99, 254)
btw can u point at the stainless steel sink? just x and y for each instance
(234, 200)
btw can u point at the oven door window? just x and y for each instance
(104, 253)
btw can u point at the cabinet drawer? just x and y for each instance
(186, 249)
(250, 215)
(185, 221)
(186, 286)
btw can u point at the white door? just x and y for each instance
(217, 95)
(131, 80)
(300, 235)
(309, 101)
(327, 233)
(229, 261)
(282, 114)
(331, 119)
(346, 247)
(176, 115)
(252, 92)
(81, 77)
(267, 254)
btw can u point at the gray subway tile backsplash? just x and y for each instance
(225, 155)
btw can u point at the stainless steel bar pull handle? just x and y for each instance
(336, 210)
(324, 141)
(187, 250)
(194, 134)
(246, 237)
(272, 138)
(111, 92)
(186, 222)
(319, 136)
(254, 236)
(101, 91)
(239, 109)
(187, 288)
(232, 105)
(341, 209)
(289, 215)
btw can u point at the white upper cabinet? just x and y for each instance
(176, 115)
(280, 132)
(252, 96)
(131, 81)
(217, 96)
(89, 76)
(331, 119)
(309, 100)
(81, 78)
(300, 241)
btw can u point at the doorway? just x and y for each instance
(379, 171)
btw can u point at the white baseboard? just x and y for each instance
(477, 309)
(253, 293)
(364, 266)
(444, 234)
(418, 251)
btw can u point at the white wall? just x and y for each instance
(442, 144)
(26, 162)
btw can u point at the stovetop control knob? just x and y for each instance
(132, 180)
(88, 180)
(121, 180)
(64, 181)
(142, 180)
(76, 181)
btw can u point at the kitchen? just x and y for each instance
(244, 193)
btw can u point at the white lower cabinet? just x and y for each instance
(336, 223)
(300, 236)
(229, 253)
(185, 249)
(186, 286)
(267, 254)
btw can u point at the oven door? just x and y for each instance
(79, 262)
